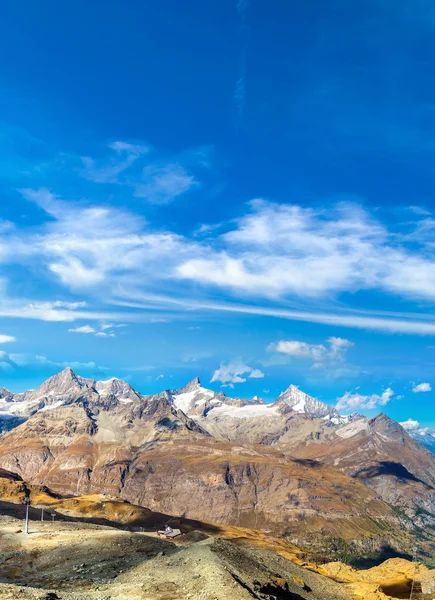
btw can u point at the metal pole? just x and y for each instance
(42, 514)
(26, 530)
(414, 558)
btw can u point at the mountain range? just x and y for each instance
(295, 467)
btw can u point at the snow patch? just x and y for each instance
(245, 412)
(352, 429)
(52, 406)
(187, 400)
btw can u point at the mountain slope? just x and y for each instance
(148, 452)
(424, 438)
(379, 453)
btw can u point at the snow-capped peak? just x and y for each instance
(118, 388)
(300, 402)
(257, 400)
(190, 396)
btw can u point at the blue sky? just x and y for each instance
(237, 190)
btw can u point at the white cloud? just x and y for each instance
(159, 377)
(329, 357)
(414, 427)
(410, 425)
(24, 308)
(344, 249)
(354, 401)
(235, 372)
(339, 345)
(88, 247)
(422, 387)
(61, 304)
(256, 374)
(83, 329)
(121, 259)
(298, 349)
(4, 339)
(105, 329)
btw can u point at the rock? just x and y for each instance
(428, 582)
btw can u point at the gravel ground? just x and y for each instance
(74, 561)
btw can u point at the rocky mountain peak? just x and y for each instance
(6, 395)
(64, 381)
(384, 425)
(192, 386)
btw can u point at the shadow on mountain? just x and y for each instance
(389, 468)
(308, 462)
(168, 423)
(367, 562)
(149, 523)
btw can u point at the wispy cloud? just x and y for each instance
(5, 339)
(264, 256)
(82, 329)
(162, 184)
(137, 166)
(105, 330)
(235, 372)
(109, 170)
(344, 249)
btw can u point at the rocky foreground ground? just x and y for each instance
(83, 561)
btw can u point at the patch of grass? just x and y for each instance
(419, 510)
